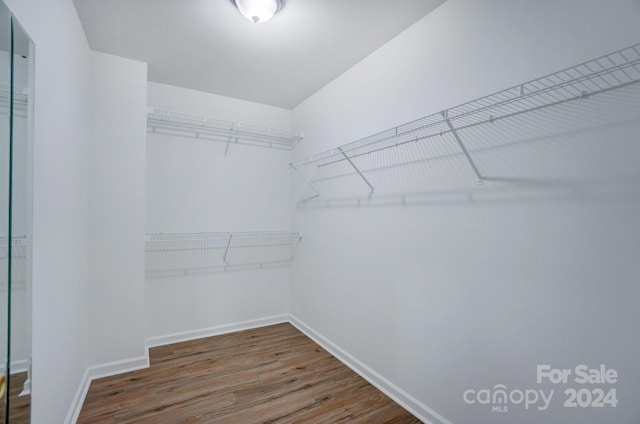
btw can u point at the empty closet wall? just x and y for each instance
(193, 187)
(477, 285)
(117, 214)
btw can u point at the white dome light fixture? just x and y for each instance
(258, 11)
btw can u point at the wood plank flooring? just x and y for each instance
(19, 406)
(268, 375)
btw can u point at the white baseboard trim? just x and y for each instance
(78, 399)
(118, 367)
(404, 399)
(215, 331)
(100, 371)
(17, 366)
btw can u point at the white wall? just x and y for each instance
(198, 102)
(117, 210)
(454, 295)
(193, 187)
(60, 190)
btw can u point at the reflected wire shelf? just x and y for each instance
(20, 98)
(18, 260)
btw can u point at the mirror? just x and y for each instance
(15, 219)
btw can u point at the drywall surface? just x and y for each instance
(468, 287)
(193, 187)
(60, 202)
(117, 209)
(207, 104)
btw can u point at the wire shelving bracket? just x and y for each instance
(168, 254)
(609, 72)
(163, 121)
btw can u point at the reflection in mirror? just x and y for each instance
(5, 78)
(15, 219)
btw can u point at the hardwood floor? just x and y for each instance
(19, 406)
(268, 375)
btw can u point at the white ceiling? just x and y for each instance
(207, 45)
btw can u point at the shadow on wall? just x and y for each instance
(581, 150)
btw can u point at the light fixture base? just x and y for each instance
(258, 11)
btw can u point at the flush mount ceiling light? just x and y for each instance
(258, 11)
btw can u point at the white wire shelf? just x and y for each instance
(603, 74)
(20, 97)
(20, 94)
(19, 246)
(195, 253)
(230, 132)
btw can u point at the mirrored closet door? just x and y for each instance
(16, 51)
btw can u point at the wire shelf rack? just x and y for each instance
(230, 132)
(19, 246)
(603, 74)
(20, 98)
(20, 94)
(170, 254)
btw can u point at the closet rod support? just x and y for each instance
(316, 193)
(298, 139)
(226, 250)
(463, 147)
(357, 170)
(307, 199)
(226, 150)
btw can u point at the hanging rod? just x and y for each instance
(230, 132)
(614, 70)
